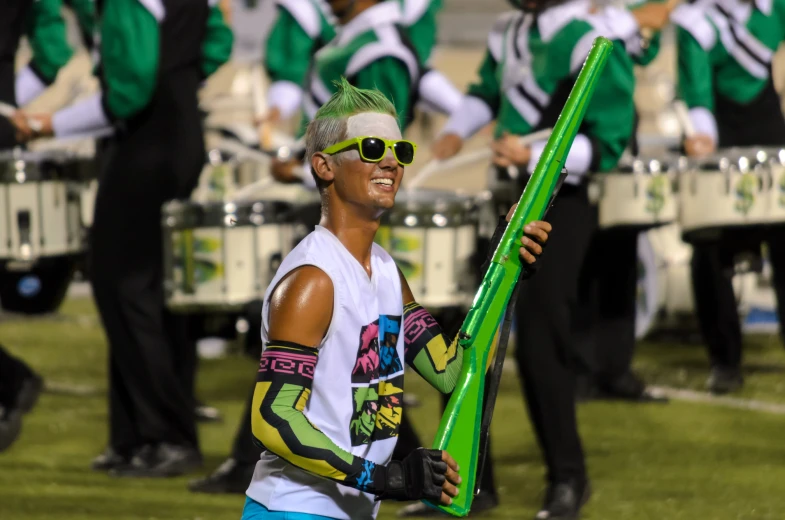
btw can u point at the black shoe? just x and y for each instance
(10, 426)
(207, 414)
(162, 460)
(231, 477)
(629, 387)
(109, 459)
(564, 501)
(29, 393)
(484, 501)
(724, 380)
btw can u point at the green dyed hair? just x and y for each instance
(329, 125)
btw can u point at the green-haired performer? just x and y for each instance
(386, 46)
(529, 68)
(154, 56)
(339, 323)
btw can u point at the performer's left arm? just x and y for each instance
(428, 350)
(217, 46)
(47, 36)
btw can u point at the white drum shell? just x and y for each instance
(225, 257)
(727, 195)
(40, 219)
(433, 238)
(238, 264)
(642, 195)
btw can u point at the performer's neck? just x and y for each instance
(356, 233)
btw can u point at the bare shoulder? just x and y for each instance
(301, 307)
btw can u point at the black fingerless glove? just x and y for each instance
(419, 476)
(527, 270)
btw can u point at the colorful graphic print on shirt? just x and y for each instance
(377, 382)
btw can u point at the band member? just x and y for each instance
(154, 55)
(529, 68)
(725, 50)
(44, 27)
(340, 310)
(304, 27)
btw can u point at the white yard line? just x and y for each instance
(717, 400)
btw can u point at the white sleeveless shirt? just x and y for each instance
(358, 383)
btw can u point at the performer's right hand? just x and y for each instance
(23, 131)
(699, 145)
(424, 474)
(447, 146)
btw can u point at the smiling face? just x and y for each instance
(366, 184)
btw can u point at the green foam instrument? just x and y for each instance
(460, 431)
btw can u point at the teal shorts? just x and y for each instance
(253, 510)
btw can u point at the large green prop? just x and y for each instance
(459, 431)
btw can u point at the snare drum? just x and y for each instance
(728, 190)
(41, 194)
(774, 161)
(640, 193)
(432, 235)
(221, 256)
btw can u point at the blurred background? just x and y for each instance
(699, 456)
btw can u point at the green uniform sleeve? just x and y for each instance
(129, 57)
(392, 78)
(694, 72)
(610, 117)
(280, 425)
(428, 351)
(487, 86)
(288, 50)
(85, 16)
(47, 36)
(423, 31)
(217, 45)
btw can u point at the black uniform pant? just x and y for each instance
(605, 322)
(7, 95)
(715, 301)
(544, 340)
(13, 373)
(151, 360)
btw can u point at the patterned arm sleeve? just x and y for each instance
(428, 351)
(279, 424)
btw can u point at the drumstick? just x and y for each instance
(249, 191)
(469, 158)
(230, 145)
(260, 107)
(8, 111)
(683, 115)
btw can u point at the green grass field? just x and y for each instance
(648, 462)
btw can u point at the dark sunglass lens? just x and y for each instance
(372, 148)
(404, 152)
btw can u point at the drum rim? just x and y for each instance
(49, 165)
(185, 214)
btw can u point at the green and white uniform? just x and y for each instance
(301, 29)
(46, 33)
(530, 67)
(371, 51)
(305, 26)
(725, 51)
